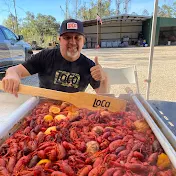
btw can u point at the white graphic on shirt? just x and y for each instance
(67, 79)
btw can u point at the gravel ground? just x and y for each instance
(163, 83)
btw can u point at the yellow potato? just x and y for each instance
(59, 117)
(54, 109)
(48, 118)
(48, 131)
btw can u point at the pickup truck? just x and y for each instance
(13, 50)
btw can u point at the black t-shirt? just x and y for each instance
(57, 73)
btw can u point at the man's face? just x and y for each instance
(71, 45)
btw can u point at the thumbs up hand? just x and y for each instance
(97, 71)
(96, 60)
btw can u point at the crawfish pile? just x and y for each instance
(59, 139)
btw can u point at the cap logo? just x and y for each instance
(72, 25)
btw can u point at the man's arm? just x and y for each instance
(12, 78)
(104, 86)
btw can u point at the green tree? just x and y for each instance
(28, 29)
(167, 10)
(89, 12)
(10, 22)
(174, 9)
(46, 25)
(40, 28)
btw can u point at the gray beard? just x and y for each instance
(71, 55)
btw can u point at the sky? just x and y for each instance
(53, 7)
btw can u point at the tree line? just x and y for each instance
(44, 28)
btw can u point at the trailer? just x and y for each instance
(13, 110)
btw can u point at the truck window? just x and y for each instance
(9, 34)
(1, 35)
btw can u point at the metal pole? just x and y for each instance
(76, 9)
(97, 33)
(66, 9)
(16, 19)
(152, 47)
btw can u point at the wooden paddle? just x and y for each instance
(79, 99)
